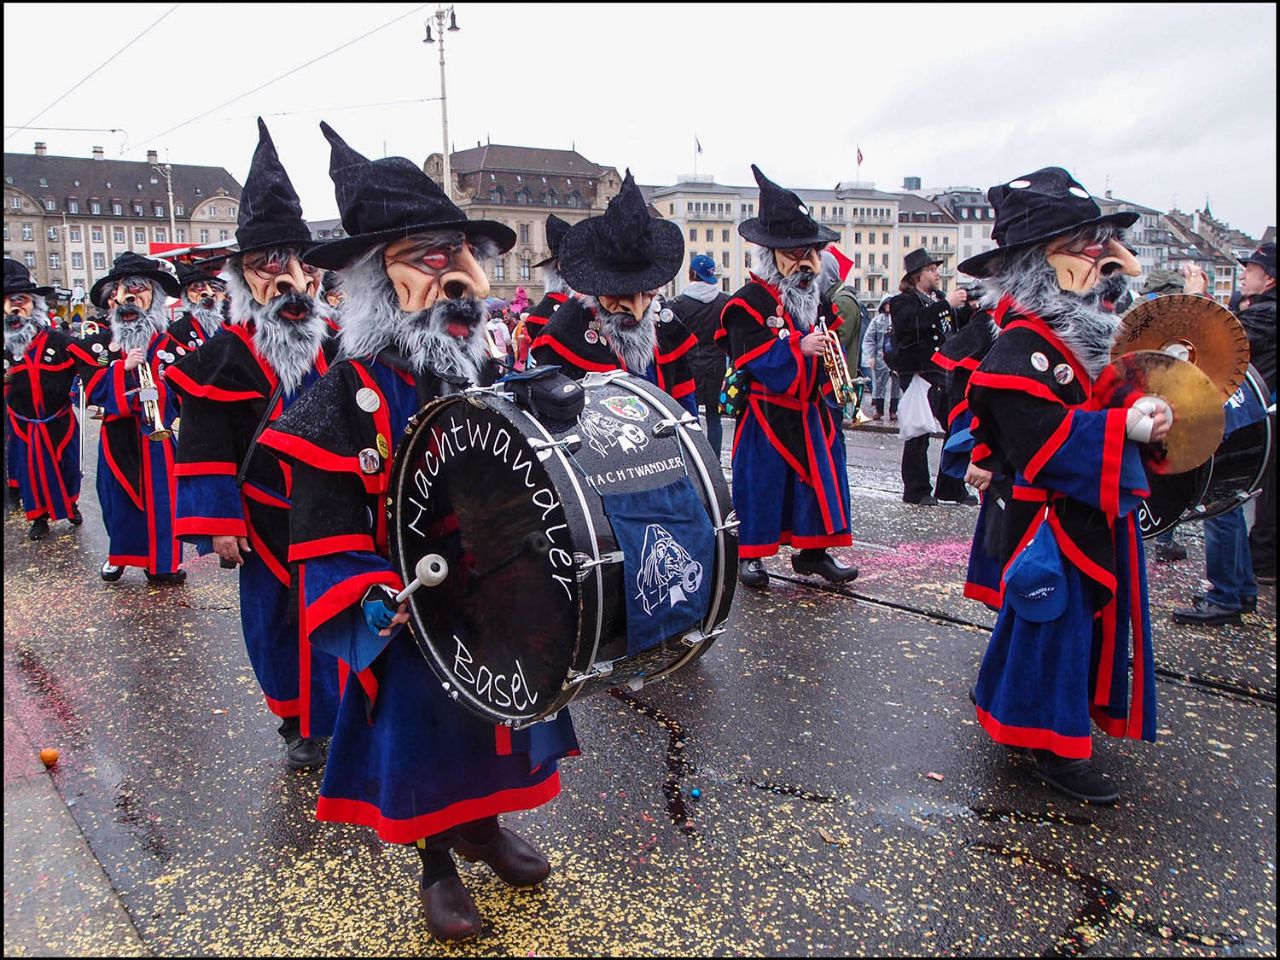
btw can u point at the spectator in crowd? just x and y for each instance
(699, 307)
(883, 382)
(853, 318)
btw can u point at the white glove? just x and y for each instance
(1141, 418)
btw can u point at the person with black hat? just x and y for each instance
(123, 372)
(233, 498)
(1258, 317)
(556, 289)
(616, 321)
(699, 307)
(922, 320)
(335, 296)
(789, 479)
(1051, 419)
(203, 298)
(405, 760)
(39, 370)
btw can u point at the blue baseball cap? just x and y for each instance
(1035, 585)
(704, 268)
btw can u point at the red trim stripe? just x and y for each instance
(1035, 737)
(325, 546)
(1051, 447)
(205, 468)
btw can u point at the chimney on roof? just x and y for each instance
(153, 157)
(40, 148)
(910, 183)
(1107, 194)
(98, 153)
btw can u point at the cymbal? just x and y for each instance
(1196, 329)
(1198, 418)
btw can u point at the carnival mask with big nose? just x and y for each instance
(634, 304)
(206, 293)
(131, 298)
(427, 269)
(804, 263)
(1083, 263)
(17, 308)
(280, 274)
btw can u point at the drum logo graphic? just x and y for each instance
(668, 573)
(629, 408)
(604, 433)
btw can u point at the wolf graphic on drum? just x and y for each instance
(582, 554)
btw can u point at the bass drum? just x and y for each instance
(533, 611)
(1230, 477)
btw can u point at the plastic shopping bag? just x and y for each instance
(915, 416)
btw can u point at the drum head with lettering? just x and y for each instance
(501, 629)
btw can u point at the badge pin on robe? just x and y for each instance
(367, 400)
(1063, 373)
(384, 447)
(591, 336)
(1040, 361)
(370, 462)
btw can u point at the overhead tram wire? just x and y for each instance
(26, 125)
(282, 76)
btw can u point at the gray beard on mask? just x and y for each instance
(800, 303)
(634, 345)
(552, 282)
(423, 339)
(1077, 319)
(210, 319)
(17, 341)
(289, 346)
(138, 334)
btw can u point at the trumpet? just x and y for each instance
(837, 367)
(150, 398)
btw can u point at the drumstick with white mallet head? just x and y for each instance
(430, 571)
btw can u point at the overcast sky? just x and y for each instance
(1166, 103)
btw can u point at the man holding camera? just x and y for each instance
(922, 319)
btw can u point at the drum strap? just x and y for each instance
(262, 425)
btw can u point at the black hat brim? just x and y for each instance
(551, 259)
(168, 283)
(30, 288)
(586, 272)
(756, 232)
(984, 263)
(337, 254)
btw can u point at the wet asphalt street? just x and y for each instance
(849, 804)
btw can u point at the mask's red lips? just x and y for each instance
(458, 330)
(294, 313)
(1109, 306)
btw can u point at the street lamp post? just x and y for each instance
(166, 171)
(440, 15)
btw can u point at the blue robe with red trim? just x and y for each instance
(569, 340)
(405, 759)
(44, 443)
(135, 473)
(225, 387)
(789, 478)
(1063, 437)
(189, 332)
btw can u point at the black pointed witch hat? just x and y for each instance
(784, 220)
(556, 230)
(624, 250)
(270, 211)
(384, 200)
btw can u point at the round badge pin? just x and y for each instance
(367, 400)
(1040, 361)
(370, 462)
(1063, 373)
(784, 333)
(384, 447)
(97, 348)
(591, 336)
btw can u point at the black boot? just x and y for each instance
(178, 576)
(39, 529)
(1074, 777)
(512, 858)
(752, 573)
(15, 499)
(75, 519)
(451, 913)
(304, 753)
(823, 564)
(877, 404)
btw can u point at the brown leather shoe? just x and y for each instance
(451, 913)
(516, 861)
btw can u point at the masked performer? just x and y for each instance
(1074, 602)
(617, 262)
(556, 288)
(123, 371)
(203, 297)
(789, 480)
(404, 759)
(38, 374)
(233, 498)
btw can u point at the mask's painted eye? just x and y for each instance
(1094, 250)
(436, 259)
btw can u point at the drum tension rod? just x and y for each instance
(668, 424)
(597, 670)
(543, 448)
(613, 557)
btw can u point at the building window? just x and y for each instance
(158, 209)
(231, 212)
(573, 200)
(871, 238)
(710, 235)
(50, 205)
(139, 235)
(522, 231)
(55, 261)
(884, 238)
(117, 234)
(550, 199)
(6, 231)
(906, 240)
(522, 196)
(77, 261)
(500, 269)
(223, 235)
(162, 235)
(746, 259)
(495, 195)
(857, 284)
(52, 233)
(99, 261)
(95, 208)
(724, 258)
(671, 209)
(724, 282)
(524, 267)
(181, 236)
(857, 237)
(693, 233)
(179, 210)
(73, 206)
(27, 232)
(73, 234)
(857, 260)
(29, 258)
(118, 209)
(884, 284)
(884, 260)
(15, 203)
(137, 210)
(724, 238)
(204, 236)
